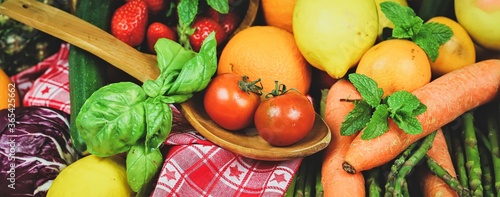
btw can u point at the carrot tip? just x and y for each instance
(348, 168)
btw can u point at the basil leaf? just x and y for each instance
(176, 98)
(158, 121)
(356, 119)
(368, 88)
(152, 88)
(187, 10)
(142, 164)
(378, 123)
(197, 72)
(221, 6)
(112, 118)
(171, 56)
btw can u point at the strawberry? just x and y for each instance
(156, 31)
(155, 6)
(129, 21)
(228, 21)
(204, 26)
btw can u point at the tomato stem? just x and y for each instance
(279, 89)
(250, 86)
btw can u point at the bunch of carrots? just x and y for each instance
(387, 165)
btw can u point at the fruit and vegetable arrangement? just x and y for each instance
(408, 89)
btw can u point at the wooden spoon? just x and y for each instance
(82, 34)
(142, 66)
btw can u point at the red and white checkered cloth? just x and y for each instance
(193, 165)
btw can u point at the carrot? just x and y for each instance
(446, 98)
(336, 181)
(431, 184)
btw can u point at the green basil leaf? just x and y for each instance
(171, 56)
(356, 119)
(187, 10)
(158, 122)
(152, 88)
(176, 98)
(368, 88)
(222, 6)
(197, 72)
(378, 123)
(142, 164)
(112, 118)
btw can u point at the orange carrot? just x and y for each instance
(431, 184)
(446, 98)
(336, 181)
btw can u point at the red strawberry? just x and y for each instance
(204, 26)
(229, 22)
(156, 31)
(129, 22)
(155, 6)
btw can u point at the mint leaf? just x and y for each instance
(406, 23)
(378, 123)
(404, 101)
(356, 119)
(368, 88)
(221, 6)
(186, 11)
(408, 123)
(431, 37)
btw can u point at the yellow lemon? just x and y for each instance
(92, 176)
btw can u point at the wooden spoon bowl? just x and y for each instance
(142, 66)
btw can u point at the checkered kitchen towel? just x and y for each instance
(193, 165)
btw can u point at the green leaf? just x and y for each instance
(222, 6)
(356, 119)
(152, 88)
(368, 88)
(104, 121)
(179, 98)
(378, 123)
(187, 10)
(406, 22)
(432, 36)
(142, 164)
(171, 56)
(409, 124)
(158, 122)
(404, 101)
(198, 71)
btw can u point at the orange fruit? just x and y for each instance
(458, 52)
(396, 64)
(269, 53)
(278, 13)
(9, 97)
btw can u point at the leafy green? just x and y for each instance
(187, 9)
(401, 106)
(142, 165)
(407, 25)
(124, 116)
(222, 6)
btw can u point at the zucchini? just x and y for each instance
(87, 72)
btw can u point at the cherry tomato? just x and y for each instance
(285, 119)
(231, 101)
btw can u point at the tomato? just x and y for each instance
(231, 101)
(285, 119)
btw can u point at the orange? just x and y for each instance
(458, 52)
(269, 53)
(9, 97)
(396, 64)
(278, 13)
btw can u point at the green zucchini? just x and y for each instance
(87, 72)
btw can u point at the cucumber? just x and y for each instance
(87, 72)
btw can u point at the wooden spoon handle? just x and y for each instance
(82, 34)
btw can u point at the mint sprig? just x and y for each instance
(407, 25)
(372, 112)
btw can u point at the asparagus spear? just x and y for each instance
(459, 158)
(398, 162)
(473, 163)
(318, 189)
(301, 179)
(486, 168)
(408, 165)
(495, 151)
(372, 182)
(453, 182)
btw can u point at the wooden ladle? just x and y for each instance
(84, 35)
(142, 66)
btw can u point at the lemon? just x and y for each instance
(333, 35)
(92, 176)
